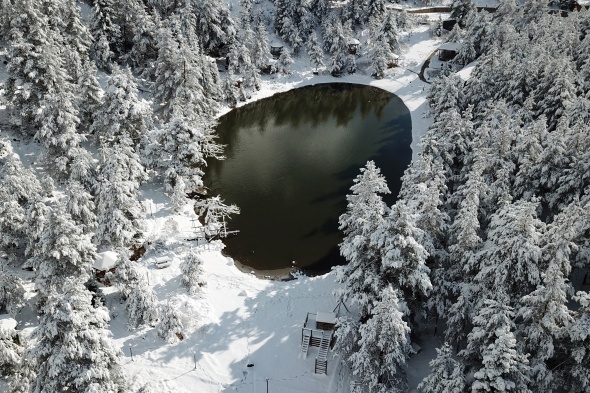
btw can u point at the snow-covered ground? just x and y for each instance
(239, 319)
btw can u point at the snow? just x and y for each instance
(452, 46)
(7, 322)
(105, 260)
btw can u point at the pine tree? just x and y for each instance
(10, 351)
(365, 212)
(170, 327)
(492, 349)
(141, 306)
(19, 188)
(446, 375)
(12, 294)
(73, 350)
(579, 334)
(384, 346)
(118, 210)
(314, 51)
(284, 62)
(511, 262)
(192, 272)
(106, 33)
(215, 27)
(403, 259)
(122, 113)
(64, 251)
(80, 205)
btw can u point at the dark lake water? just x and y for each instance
(291, 160)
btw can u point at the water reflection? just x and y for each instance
(290, 162)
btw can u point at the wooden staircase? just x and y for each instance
(321, 361)
(305, 343)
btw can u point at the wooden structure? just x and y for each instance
(448, 51)
(276, 49)
(318, 331)
(353, 46)
(105, 262)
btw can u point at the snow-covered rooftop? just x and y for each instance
(454, 46)
(105, 260)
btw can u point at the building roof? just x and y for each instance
(353, 41)
(454, 46)
(105, 260)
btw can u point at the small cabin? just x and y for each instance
(276, 49)
(353, 46)
(448, 51)
(105, 262)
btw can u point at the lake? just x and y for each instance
(290, 162)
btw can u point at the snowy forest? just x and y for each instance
(488, 243)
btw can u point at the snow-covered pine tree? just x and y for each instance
(72, 349)
(11, 351)
(126, 277)
(185, 80)
(122, 113)
(461, 9)
(80, 205)
(65, 250)
(446, 373)
(192, 272)
(215, 28)
(373, 11)
(403, 259)
(90, 95)
(365, 213)
(284, 62)
(142, 305)
(12, 293)
(119, 212)
(106, 34)
(492, 352)
(511, 262)
(170, 326)
(19, 188)
(36, 219)
(578, 377)
(381, 56)
(314, 51)
(260, 44)
(384, 347)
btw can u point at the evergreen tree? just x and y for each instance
(215, 27)
(511, 261)
(10, 352)
(106, 33)
(314, 51)
(141, 306)
(284, 62)
(170, 326)
(73, 350)
(122, 114)
(446, 375)
(192, 272)
(118, 210)
(18, 189)
(384, 346)
(64, 251)
(578, 378)
(365, 213)
(12, 294)
(492, 346)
